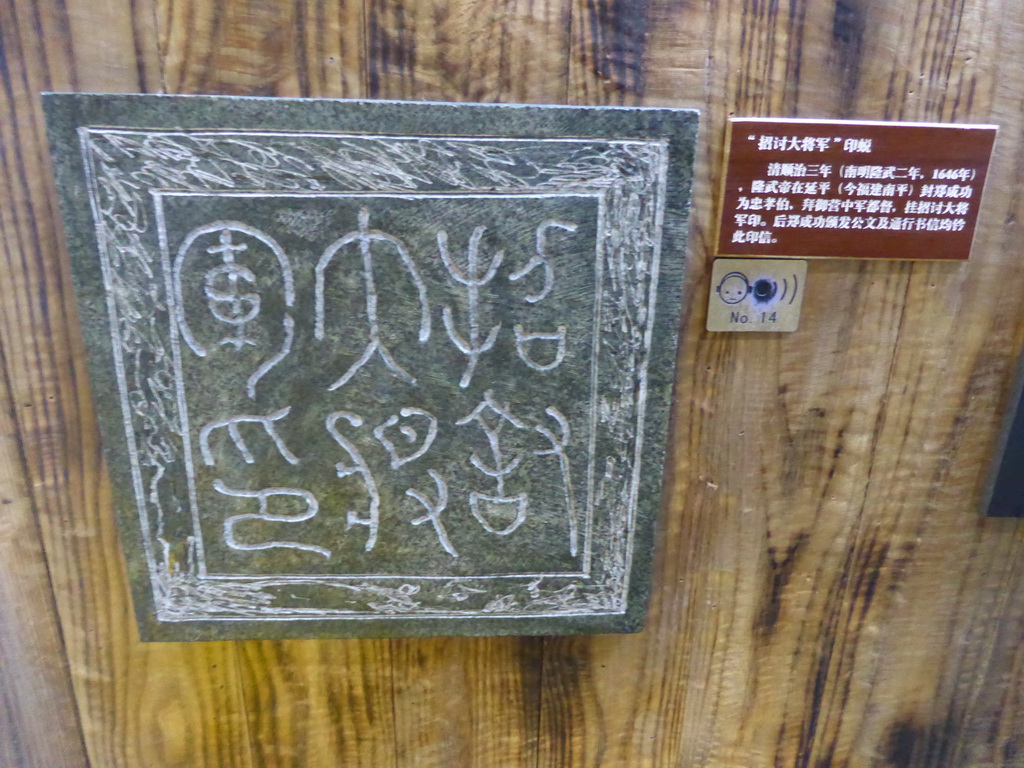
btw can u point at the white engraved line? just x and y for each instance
(599, 256)
(434, 510)
(500, 468)
(327, 616)
(232, 422)
(523, 338)
(312, 507)
(233, 271)
(184, 426)
(122, 378)
(558, 445)
(265, 368)
(330, 580)
(360, 468)
(473, 282)
(235, 226)
(520, 501)
(365, 236)
(410, 434)
(661, 173)
(379, 137)
(581, 192)
(540, 259)
(404, 591)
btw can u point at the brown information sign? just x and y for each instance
(853, 189)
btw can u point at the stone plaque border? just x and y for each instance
(125, 154)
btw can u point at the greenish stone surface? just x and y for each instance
(377, 368)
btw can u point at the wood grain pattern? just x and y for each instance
(302, 48)
(467, 701)
(319, 704)
(460, 50)
(38, 722)
(825, 593)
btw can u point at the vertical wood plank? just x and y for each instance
(294, 48)
(319, 704)
(38, 721)
(677, 57)
(458, 50)
(989, 732)
(153, 705)
(467, 701)
(608, 51)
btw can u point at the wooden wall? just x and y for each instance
(826, 593)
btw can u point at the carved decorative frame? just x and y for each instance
(129, 170)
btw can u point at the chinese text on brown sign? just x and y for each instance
(853, 189)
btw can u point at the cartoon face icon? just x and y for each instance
(733, 288)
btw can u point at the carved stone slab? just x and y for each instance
(373, 369)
